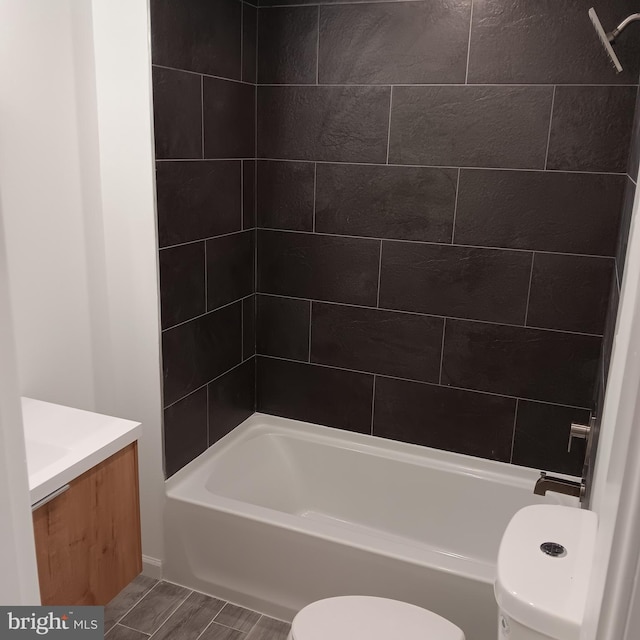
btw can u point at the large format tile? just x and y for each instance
(287, 45)
(185, 431)
(315, 394)
(341, 124)
(408, 203)
(609, 330)
(285, 195)
(463, 282)
(125, 600)
(462, 421)
(249, 42)
(386, 342)
(182, 291)
(501, 127)
(230, 268)
(541, 436)
(177, 114)
(386, 43)
(197, 35)
(283, 327)
(319, 267)
(228, 118)
(269, 629)
(570, 292)
(231, 400)
(517, 361)
(197, 351)
(590, 130)
(237, 617)
(153, 610)
(190, 619)
(571, 213)
(545, 41)
(197, 200)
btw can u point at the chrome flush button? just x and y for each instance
(553, 549)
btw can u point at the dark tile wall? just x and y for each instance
(439, 193)
(204, 93)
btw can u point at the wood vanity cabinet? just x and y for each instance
(88, 538)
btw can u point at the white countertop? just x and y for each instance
(62, 443)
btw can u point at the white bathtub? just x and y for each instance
(280, 513)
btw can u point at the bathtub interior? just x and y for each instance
(331, 480)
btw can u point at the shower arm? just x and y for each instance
(612, 35)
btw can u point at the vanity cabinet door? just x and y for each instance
(88, 538)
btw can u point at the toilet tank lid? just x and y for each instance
(370, 618)
(543, 592)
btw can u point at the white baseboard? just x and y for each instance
(152, 567)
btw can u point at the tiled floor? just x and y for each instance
(149, 608)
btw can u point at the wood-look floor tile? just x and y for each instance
(219, 632)
(126, 599)
(152, 611)
(269, 629)
(237, 617)
(118, 632)
(190, 619)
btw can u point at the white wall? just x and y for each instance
(77, 192)
(43, 202)
(123, 64)
(19, 578)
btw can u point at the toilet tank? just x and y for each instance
(543, 571)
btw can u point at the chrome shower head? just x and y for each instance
(609, 38)
(605, 39)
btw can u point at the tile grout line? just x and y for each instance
(171, 614)
(546, 155)
(119, 624)
(513, 435)
(455, 208)
(310, 318)
(241, 41)
(526, 311)
(373, 402)
(389, 123)
(202, 386)
(135, 604)
(410, 165)
(202, 113)
(422, 242)
(315, 193)
(206, 284)
(466, 76)
(242, 195)
(209, 75)
(224, 306)
(222, 235)
(379, 276)
(208, 424)
(444, 329)
(432, 315)
(492, 394)
(318, 46)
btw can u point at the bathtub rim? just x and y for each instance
(188, 485)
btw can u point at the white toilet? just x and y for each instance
(544, 565)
